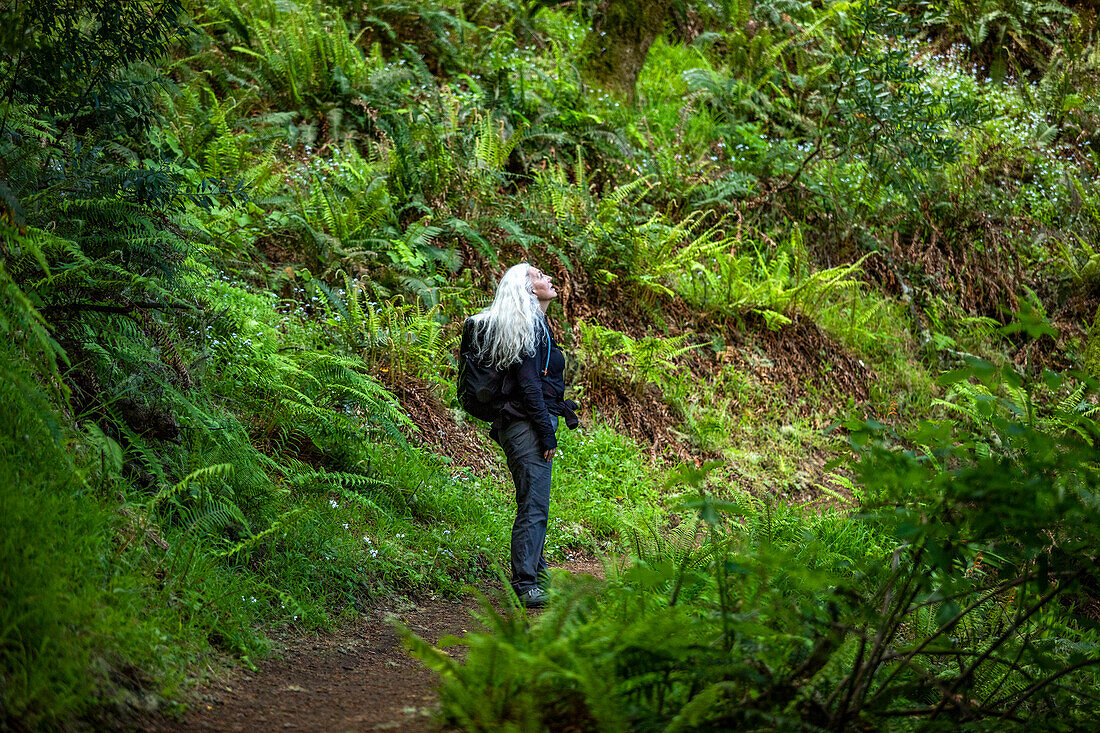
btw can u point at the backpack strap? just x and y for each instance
(549, 346)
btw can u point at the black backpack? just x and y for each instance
(480, 384)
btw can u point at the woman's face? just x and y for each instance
(541, 285)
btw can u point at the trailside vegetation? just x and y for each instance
(828, 278)
(957, 597)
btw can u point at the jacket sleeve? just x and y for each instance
(530, 388)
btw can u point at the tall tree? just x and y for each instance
(92, 230)
(622, 32)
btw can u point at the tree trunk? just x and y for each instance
(621, 35)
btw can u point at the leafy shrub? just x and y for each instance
(614, 358)
(764, 618)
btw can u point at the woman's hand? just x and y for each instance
(548, 454)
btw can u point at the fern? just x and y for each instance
(211, 517)
(405, 337)
(665, 250)
(322, 480)
(683, 546)
(219, 470)
(493, 148)
(609, 353)
(19, 318)
(985, 410)
(812, 292)
(1081, 263)
(281, 524)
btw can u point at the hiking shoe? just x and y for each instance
(534, 598)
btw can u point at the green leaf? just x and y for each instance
(1072, 101)
(711, 509)
(952, 377)
(946, 612)
(941, 555)
(688, 475)
(1031, 321)
(931, 433)
(982, 369)
(1053, 380)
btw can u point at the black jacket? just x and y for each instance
(534, 389)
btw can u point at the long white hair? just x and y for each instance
(508, 329)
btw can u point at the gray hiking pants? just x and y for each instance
(531, 475)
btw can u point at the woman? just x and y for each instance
(514, 336)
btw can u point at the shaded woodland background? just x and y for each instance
(829, 283)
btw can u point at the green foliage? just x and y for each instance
(224, 228)
(212, 424)
(84, 602)
(77, 62)
(1001, 32)
(757, 39)
(725, 284)
(602, 482)
(754, 613)
(980, 406)
(398, 338)
(303, 54)
(18, 316)
(611, 357)
(493, 149)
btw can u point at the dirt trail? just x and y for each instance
(359, 678)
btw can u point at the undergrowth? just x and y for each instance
(231, 232)
(939, 604)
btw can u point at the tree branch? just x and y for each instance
(951, 622)
(828, 114)
(1001, 640)
(1032, 689)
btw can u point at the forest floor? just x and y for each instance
(357, 678)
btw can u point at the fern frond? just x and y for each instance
(324, 480)
(281, 524)
(209, 518)
(217, 470)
